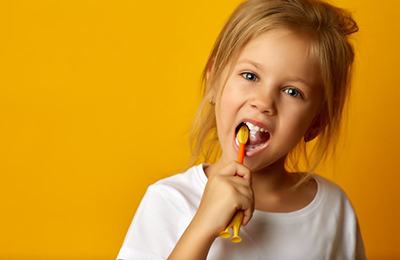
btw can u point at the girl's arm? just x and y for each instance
(194, 243)
(224, 194)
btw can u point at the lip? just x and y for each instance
(250, 153)
(255, 122)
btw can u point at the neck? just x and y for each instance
(271, 179)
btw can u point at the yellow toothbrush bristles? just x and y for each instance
(243, 134)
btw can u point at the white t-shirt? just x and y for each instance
(326, 228)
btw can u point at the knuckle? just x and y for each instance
(231, 190)
(237, 206)
(219, 179)
(251, 193)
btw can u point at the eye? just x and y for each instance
(294, 92)
(249, 76)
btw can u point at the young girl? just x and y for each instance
(283, 68)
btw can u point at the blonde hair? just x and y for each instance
(328, 28)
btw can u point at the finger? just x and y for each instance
(248, 211)
(237, 180)
(244, 190)
(234, 168)
(247, 206)
(244, 197)
(247, 215)
(227, 170)
(243, 171)
(245, 202)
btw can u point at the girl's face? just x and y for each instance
(274, 85)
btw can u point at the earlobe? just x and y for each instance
(211, 101)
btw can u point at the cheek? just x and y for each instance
(229, 104)
(226, 113)
(221, 111)
(230, 92)
(296, 122)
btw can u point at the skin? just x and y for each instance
(272, 93)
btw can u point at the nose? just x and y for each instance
(264, 101)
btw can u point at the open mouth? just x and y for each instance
(258, 138)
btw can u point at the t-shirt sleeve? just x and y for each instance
(353, 240)
(360, 250)
(159, 221)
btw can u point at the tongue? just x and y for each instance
(258, 138)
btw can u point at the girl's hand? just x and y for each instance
(228, 190)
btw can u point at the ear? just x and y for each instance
(210, 66)
(210, 95)
(314, 129)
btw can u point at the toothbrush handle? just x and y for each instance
(238, 218)
(242, 150)
(236, 223)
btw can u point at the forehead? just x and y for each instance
(281, 52)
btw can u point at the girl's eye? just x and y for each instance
(249, 76)
(293, 92)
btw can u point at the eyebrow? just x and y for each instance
(254, 63)
(301, 80)
(260, 66)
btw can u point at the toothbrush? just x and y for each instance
(242, 137)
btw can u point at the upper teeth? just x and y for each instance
(254, 128)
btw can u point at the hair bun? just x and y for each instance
(346, 23)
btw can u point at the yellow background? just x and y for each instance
(96, 99)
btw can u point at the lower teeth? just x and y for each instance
(252, 147)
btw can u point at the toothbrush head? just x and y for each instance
(243, 134)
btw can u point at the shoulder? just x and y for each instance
(182, 179)
(334, 197)
(188, 181)
(182, 190)
(330, 188)
(166, 209)
(339, 214)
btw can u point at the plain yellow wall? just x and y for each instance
(97, 98)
